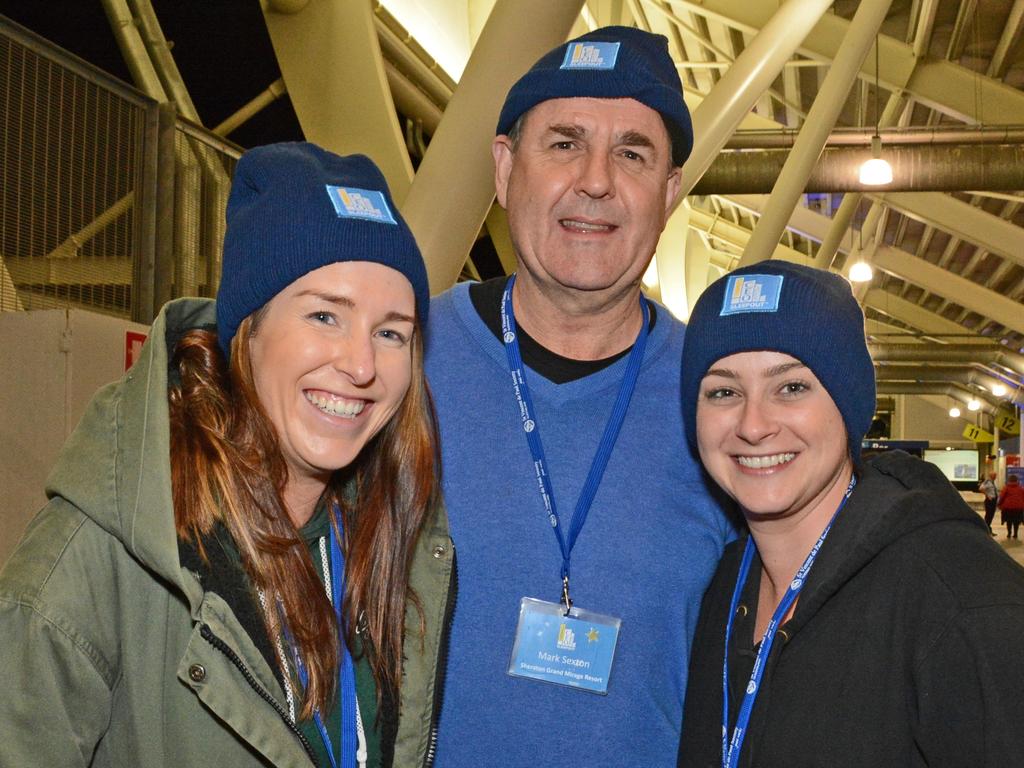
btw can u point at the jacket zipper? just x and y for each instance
(442, 660)
(224, 648)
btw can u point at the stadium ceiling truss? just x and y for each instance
(946, 241)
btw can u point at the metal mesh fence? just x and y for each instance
(81, 155)
(202, 173)
(69, 167)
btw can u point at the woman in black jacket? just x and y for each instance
(862, 621)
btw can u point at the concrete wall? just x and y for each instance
(51, 363)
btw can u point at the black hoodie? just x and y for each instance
(904, 649)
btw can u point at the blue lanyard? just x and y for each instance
(346, 670)
(731, 747)
(532, 430)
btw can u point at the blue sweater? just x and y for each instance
(646, 554)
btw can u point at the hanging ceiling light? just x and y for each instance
(973, 404)
(954, 412)
(998, 390)
(861, 272)
(876, 171)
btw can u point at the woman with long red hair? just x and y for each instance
(243, 561)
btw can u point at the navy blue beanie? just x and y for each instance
(608, 63)
(295, 207)
(808, 313)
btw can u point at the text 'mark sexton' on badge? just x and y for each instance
(575, 650)
(354, 203)
(592, 55)
(751, 293)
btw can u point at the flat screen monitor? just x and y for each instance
(960, 466)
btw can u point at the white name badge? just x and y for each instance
(575, 650)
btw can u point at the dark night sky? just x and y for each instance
(221, 47)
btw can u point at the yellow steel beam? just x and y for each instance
(331, 64)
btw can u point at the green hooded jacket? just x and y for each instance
(113, 654)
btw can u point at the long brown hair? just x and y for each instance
(227, 467)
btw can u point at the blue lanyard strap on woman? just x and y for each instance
(731, 747)
(346, 670)
(532, 430)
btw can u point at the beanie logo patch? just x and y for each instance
(592, 55)
(751, 293)
(354, 203)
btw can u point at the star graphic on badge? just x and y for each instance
(592, 635)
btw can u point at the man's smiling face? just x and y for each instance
(587, 185)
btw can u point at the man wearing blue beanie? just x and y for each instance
(585, 533)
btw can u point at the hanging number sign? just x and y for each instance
(977, 434)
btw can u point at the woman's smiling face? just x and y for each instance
(332, 361)
(770, 435)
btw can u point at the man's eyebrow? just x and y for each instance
(568, 130)
(636, 139)
(629, 138)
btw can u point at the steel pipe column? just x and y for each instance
(745, 82)
(674, 258)
(915, 168)
(842, 219)
(270, 94)
(955, 391)
(331, 64)
(454, 186)
(819, 123)
(122, 23)
(952, 374)
(948, 353)
(735, 234)
(501, 237)
(163, 62)
(952, 89)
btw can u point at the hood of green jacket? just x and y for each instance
(125, 429)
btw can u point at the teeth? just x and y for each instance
(347, 409)
(583, 226)
(763, 462)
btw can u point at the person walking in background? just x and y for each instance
(863, 621)
(222, 574)
(1011, 503)
(576, 507)
(988, 487)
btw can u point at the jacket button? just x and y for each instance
(439, 551)
(197, 672)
